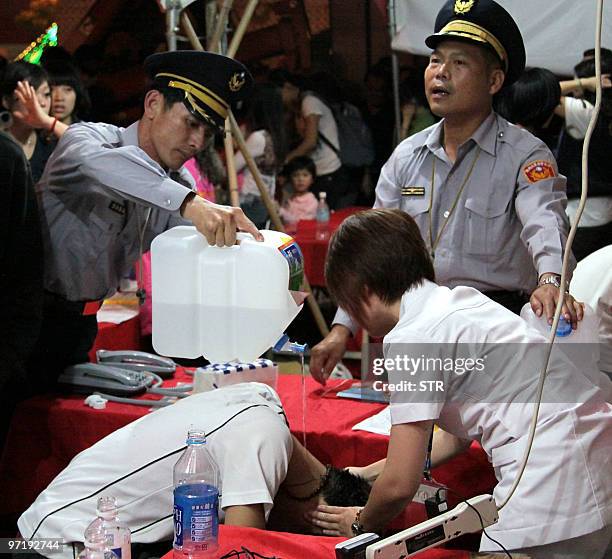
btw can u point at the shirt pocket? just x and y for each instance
(417, 209)
(105, 220)
(488, 223)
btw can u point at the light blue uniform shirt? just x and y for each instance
(509, 225)
(94, 197)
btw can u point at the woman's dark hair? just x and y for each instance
(586, 68)
(343, 489)
(391, 258)
(530, 100)
(299, 163)
(20, 71)
(64, 73)
(265, 111)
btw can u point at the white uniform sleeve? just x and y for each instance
(577, 115)
(256, 144)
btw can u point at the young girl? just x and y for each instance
(302, 204)
(70, 101)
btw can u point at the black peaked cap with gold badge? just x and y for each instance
(485, 23)
(212, 83)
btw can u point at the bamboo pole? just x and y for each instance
(232, 176)
(242, 27)
(214, 44)
(190, 31)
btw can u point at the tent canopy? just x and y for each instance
(555, 33)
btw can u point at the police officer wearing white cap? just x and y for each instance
(486, 195)
(107, 192)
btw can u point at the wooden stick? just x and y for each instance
(190, 31)
(232, 176)
(242, 27)
(214, 44)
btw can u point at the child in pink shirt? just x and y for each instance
(302, 204)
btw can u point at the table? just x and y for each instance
(117, 336)
(315, 250)
(295, 546)
(48, 431)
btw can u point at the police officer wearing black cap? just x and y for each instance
(486, 195)
(107, 192)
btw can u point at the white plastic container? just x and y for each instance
(228, 303)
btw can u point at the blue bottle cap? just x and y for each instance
(564, 328)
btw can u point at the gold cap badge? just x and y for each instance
(463, 6)
(236, 81)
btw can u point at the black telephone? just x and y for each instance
(137, 361)
(86, 378)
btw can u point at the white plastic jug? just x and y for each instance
(223, 303)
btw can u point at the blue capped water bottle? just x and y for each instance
(196, 500)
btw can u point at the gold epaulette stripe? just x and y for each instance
(468, 29)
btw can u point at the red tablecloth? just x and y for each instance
(315, 250)
(46, 432)
(117, 336)
(295, 546)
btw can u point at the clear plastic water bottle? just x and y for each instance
(196, 500)
(96, 546)
(118, 536)
(322, 233)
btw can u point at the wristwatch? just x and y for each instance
(357, 527)
(552, 279)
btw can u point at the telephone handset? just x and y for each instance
(86, 378)
(137, 361)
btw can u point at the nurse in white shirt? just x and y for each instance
(562, 507)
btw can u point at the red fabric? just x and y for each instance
(315, 250)
(117, 336)
(46, 432)
(295, 546)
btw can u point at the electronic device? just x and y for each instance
(86, 378)
(137, 361)
(468, 516)
(355, 547)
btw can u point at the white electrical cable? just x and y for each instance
(567, 252)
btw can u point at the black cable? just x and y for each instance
(464, 500)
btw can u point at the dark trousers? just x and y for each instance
(336, 186)
(512, 300)
(590, 239)
(66, 336)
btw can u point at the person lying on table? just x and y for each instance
(562, 506)
(267, 476)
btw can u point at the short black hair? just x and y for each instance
(64, 73)
(344, 489)
(530, 100)
(302, 162)
(21, 71)
(171, 95)
(391, 258)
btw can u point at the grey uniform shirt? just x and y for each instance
(94, 197)
(509, 224)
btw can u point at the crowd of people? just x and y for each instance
(470, 223)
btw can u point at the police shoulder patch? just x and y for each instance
(539, 170)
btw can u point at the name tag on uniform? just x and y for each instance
(416, 191)
(117, 207)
